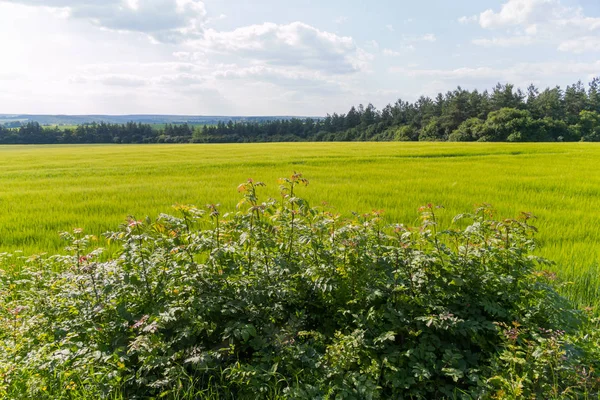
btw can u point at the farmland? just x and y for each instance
(282, 300)
(45, 190)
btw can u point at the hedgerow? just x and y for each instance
(283, 300)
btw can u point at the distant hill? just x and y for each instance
(120, 119)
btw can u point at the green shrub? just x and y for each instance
(468, 131)
(283, 300)
(433, 131)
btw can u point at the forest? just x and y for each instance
(504, 114)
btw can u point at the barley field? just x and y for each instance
(48, 189)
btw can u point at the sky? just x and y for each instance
(281, 57)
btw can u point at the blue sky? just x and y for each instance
(267, 57)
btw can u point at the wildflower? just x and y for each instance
(141, 322)
(133, 223)
(152, 328)
(17, 310)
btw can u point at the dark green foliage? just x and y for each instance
(588, 127)
(507, 114)
(433, 131)
(468, 131)
(282, 300)
(509, 124)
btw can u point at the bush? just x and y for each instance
(468, 131)
(588, 127)
(433, 131)
(283, 300)
(405, 133)
(509, 124)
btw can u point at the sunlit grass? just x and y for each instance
(47, 189)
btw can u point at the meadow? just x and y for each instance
(48, 189)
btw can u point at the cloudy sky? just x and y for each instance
(281, 57)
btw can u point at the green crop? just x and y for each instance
(282, 300)
(48, 189)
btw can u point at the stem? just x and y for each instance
(507, 246)
(95, 287)
(293, 220)
(250, 239)
(437, 244)
(217, 231)
(144, 268)
(78, 254)
(397, 265)
(409, 272)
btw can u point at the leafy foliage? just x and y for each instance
(284, 300)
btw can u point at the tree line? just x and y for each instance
(505, 113)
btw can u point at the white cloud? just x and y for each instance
(529, 14)
(467, 20)
(259, 69)
(294, 44)
(409, 41)
(196, 57)
(282, 77)
(517, 12)
(122, 80)
(531, 29)
(61, 62)
(220, 17)
(9, 76)
(394, 53)
(540, 21)
(148, 76)
(428, 37)
(577, 20)
(185, 77)
(510, 41)
(161, 20)
(457, 73)
(581, 45)
(527, 72)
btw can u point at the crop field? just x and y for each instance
(48, 189)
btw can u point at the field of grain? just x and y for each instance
(48, 189)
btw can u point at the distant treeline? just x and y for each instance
(504, 114)
(15, 120)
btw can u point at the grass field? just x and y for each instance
(47, 189)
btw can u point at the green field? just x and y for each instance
(47, 189)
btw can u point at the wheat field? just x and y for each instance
(48, 189)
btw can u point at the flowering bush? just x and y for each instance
(284, 300)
